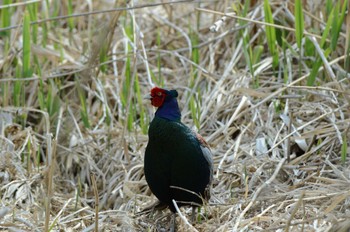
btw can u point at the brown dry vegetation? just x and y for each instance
(277, 143)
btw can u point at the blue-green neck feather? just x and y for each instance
(169, 110)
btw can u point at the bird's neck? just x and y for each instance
(169, 110)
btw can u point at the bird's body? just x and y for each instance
(178, 164)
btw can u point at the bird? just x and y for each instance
(178, 164)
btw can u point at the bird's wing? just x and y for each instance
(209, 158)
(206, 150)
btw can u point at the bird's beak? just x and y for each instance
(148, 96)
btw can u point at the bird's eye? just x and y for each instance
(159, 94)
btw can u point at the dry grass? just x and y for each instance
(276, 146)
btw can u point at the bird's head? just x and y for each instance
(158, 96)
(166, 102)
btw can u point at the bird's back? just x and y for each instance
(177, 166)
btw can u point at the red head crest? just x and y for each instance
(158, 96)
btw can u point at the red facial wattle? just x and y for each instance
(157, 96)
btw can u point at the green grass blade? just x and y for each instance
(335, 25)
(159, 80)
(17, 89)
(130, 119)
(83, 107)
(195, 50)
(103, 58)
(33, 12)
(55, 103)
(329, 6)
(316, 65)
(244, 34)
(270, 33)
(41, 95)
(344, 149)
(299, 28)
(327, 29)
(5, 19)
(247, 51)
(143, 118)
(70, 12)
(193, 76)
(257, 51)
(127, 83)
(195, 111)
(339, 15)
(309, 48)
(128, 71)
(299, 22)
(55, 7)
(195, 58)
(26, 71)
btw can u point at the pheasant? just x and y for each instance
(178, 162)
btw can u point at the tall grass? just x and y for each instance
(48, 90)
(49, 64)
(331, 30)
(26, 58)
(252, 54)
(70, 10)
(194, 102)
(6, 22)
(299, 28)
(84, 112)
(159, 80)
(271, 33)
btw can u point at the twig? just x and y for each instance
(93, 180)
(50, 172)
(183, 217)
(294, 211)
